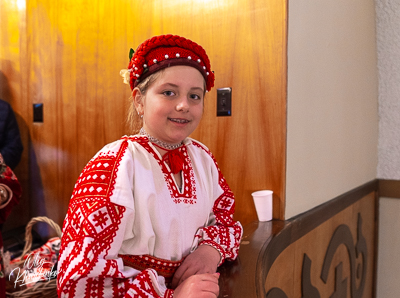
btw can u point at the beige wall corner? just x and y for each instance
(332, 100)
(388, 248)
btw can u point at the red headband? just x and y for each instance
(164, 51)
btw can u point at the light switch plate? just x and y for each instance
(37, 112)
(224, 101)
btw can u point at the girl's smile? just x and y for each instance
(181, 121)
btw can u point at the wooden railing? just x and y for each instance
(329, 251)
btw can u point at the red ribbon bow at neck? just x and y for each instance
(175, 160)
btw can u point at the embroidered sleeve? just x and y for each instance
(93, 232)
(222, 232)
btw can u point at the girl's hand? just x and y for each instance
(204, 259)
(199, 286)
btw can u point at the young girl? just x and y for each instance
(151, 214)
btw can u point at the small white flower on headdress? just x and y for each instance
(126, 74)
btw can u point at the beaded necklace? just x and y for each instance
(158, 142)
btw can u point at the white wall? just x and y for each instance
(332, 100)
(388, 37)
(388, 44)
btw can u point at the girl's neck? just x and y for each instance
(160, 144)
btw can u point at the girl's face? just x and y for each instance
(173, 105)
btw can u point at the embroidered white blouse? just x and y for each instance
(126, 202)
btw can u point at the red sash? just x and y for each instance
(163, 267)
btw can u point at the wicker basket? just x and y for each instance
(41, 289)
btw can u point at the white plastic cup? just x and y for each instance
(263, 202)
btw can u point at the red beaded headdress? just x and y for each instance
(164, 51)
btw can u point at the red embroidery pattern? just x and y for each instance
(169, 293)
(47, 252)
(188, 195)
(226, 234)
(94, 287)
(120, 287)
(142, 286)
(163, 267)
(91, 223)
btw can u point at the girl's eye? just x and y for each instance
(195, 96)
(168, 93)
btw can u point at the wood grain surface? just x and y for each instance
(67, 55)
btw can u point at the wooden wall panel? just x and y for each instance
(68, 56)
(14, 90)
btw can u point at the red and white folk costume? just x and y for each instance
(126, 209)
